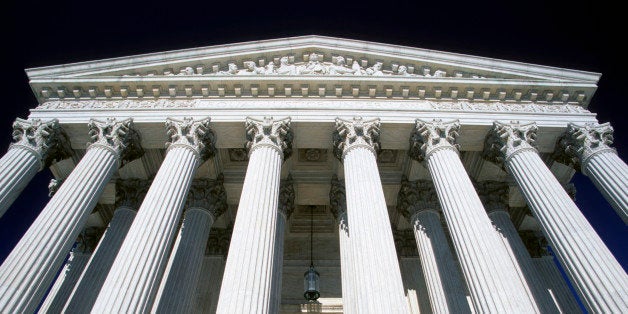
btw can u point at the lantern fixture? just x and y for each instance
(311, 276)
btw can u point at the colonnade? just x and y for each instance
(145, 263)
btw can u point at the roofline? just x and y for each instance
(313, 40)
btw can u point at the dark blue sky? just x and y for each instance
(571, 35)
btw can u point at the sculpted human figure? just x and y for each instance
(403, 71)
(440, 73)
(232, 70)
(250, 68)
(270, 68)
(357, 68)
(314, 66)
(339, 67)
(375, 70)
(285, 67)
(187, 71)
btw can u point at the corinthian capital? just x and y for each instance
(506, 139)
(429, 137)
(581, 142)
(416, 196)
(270, 133)
(286, 197)
(494, 195)
(191, 134)
(117, 136)
(131, 192)
(45, 139)
(209, 195)
(337, 197)
(356, 133)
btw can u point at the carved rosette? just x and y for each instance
(269, 132)
(415, 197)
(191, 134)
(286, 197)
(494, 195)
(507, 139)
(46, 140)
(209, 195)
(581, 142)
(337, 197)
(117, 136)
(130, 192)
(429, 137)
(354, 133)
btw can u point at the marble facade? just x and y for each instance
(433, 181)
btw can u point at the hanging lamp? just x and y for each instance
(311, 276)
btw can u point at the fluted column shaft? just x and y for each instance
(444, 284)
(521, 258)
(36, 144)
(177, 291)
(32, 265)
(17, 168)
(278, 264)
(555, 285)
(142, 258)
(247, 280)
(140, 263)
(491, 278)
(88, 286)
(67, 279)
(249, 269)
(599, 279)
(377, 275)
(346, 266)
(610, 175)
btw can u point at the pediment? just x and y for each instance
(308, 61)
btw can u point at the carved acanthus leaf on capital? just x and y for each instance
(209, 195)
(337, 197)
(218, 241)
(46, 139)
(269, 132)
(131, 192)
(535, 243)
(286, 197)
(416, 196)
(580, 142)
(506, 139)
(192, 134)
(54, 186)
(356, 133)
(429, 137)
(117, 136)
(494, 195)
(88, 240)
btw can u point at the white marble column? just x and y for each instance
(418, 201)
(140, 263)
(597, 276)
(338, 201)
(587, 147)
(555, 285)
(247, 280)
(129, 194)
(71, 271)
(206, 201)
(31, 267)
(36, 145)
(377, 275)
(286, 207)
(494, 195)
(492, 280)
